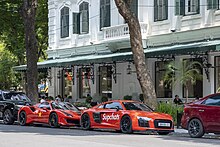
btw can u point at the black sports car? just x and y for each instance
(10, 103)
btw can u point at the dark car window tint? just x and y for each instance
(44, 105)
(59, 106)
(136, 106)
(213, 101)
(113, 105)
(16, 97)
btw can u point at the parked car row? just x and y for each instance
(120, 115)
(199, 117)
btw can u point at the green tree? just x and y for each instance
(143, 75)
(186, 73)
(7, 61)
(17, 17)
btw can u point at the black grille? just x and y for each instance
(72, 121)
(157, 121)
(143, 123)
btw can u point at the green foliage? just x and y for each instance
(7, 76)
(169, 108)
(187, 71)
(127, 97)
(104, 99)
(88, 99)
(82, 104)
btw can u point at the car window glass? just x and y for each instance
(59, 106)
(113, 105)
(44, 105)
(212, 101)
(16, 96)
(136, 106)
(101, 106)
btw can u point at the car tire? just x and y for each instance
(126, 125)
(22, 118)
(85, 122)
(163, 133)
(195, 128)
(8, 118)
(53, 120)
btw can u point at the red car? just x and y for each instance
(202, 116)
(52, 113)
(126, 116)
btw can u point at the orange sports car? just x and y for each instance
(126, 116)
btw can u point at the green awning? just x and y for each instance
(150, 52)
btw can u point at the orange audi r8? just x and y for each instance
(126, 116)
(52, 113)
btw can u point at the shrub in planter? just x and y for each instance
(127, 97)
(104, 99)
(170, 108)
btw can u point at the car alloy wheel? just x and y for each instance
(85, 121)
(8, 117)
(22, 118)
(195, 128)
(126, 124)
(53, 120)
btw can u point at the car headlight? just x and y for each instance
(144, 118)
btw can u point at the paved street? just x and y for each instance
(26, 136)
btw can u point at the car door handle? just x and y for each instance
(201, 110)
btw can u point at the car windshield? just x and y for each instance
(56, 105)
(69, 106)
(136, 106)
(16, 97)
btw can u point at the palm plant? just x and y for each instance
(188, 73)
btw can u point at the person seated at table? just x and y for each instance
(177, 100)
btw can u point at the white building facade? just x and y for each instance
(89, 49)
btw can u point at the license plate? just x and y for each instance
(164, 124)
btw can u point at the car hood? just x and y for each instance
(153, 115)
(72, 112)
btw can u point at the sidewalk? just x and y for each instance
(180, 130)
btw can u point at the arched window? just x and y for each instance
(64, 22)
(105, 13)
(84, 17)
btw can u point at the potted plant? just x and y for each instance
(188, 73)
(127, 97)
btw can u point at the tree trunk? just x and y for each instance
(187, 94)
(143, 74)
(28, 15)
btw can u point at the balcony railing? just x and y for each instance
(120, 31)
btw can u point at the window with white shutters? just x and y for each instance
(192, 7)
(105, 13)
(212, 4)
(64, 22)
(84, 17)
(160, 10)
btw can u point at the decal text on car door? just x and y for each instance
(110, 117)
